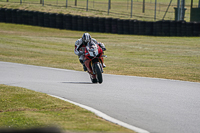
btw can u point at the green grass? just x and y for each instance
(22, 108)
(119, 8)
(147, 56)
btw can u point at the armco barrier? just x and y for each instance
(99, 24)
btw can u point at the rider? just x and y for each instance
(80, 45)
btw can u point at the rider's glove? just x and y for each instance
(80, 53)
(104, 49)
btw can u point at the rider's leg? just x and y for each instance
(81, 61)
(103, 62)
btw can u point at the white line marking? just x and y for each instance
(104, 116)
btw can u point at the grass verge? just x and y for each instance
(22, 108)
(147, 56)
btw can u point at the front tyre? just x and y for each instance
(94, 80)
(98, 73)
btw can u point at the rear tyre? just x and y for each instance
(98, 73)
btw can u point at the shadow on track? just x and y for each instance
(78, 82)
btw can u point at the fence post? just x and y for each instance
(182, 9)
(199, 4)
(108, 6)
(87, 6)
(66, 3)
(178, 8)
(191, 9)
(131, 7)
(75, 2)
(155, 10)
(143, 6)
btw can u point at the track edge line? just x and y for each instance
(104, 116)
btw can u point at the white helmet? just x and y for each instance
(86, 37)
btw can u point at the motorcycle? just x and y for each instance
(94, 62)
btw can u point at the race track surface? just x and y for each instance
(156, 105)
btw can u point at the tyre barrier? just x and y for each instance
(90, 23)
(178, 28)
(149, 28)
(59, 21)
(120, 28)
(189, 28)
(68, 21)
(8, 14)
(196, 31)
(114, 26)
(74, 22)
(136, 27)
(46, 20)
(126, 29)
(2, 15)
(30, 17)
(52, 20)
(41, 19)
(131, 26)
(14, 16)
(172, 29)
(157, 28)
(183, 28)
(85, 24)
(100, 24)
(165, 28)
(35, 18)
(108, 25)
(142, 27)
(80, 23)
(95, 24)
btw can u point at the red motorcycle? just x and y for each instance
(94, 62)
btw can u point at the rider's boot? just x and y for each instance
(104, 65)
(84, 67)
(103, 62)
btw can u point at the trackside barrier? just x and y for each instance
(99, 24)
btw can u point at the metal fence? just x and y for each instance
(148, 11)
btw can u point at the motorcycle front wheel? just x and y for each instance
(98, 73)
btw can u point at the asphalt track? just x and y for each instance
(156, 105)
